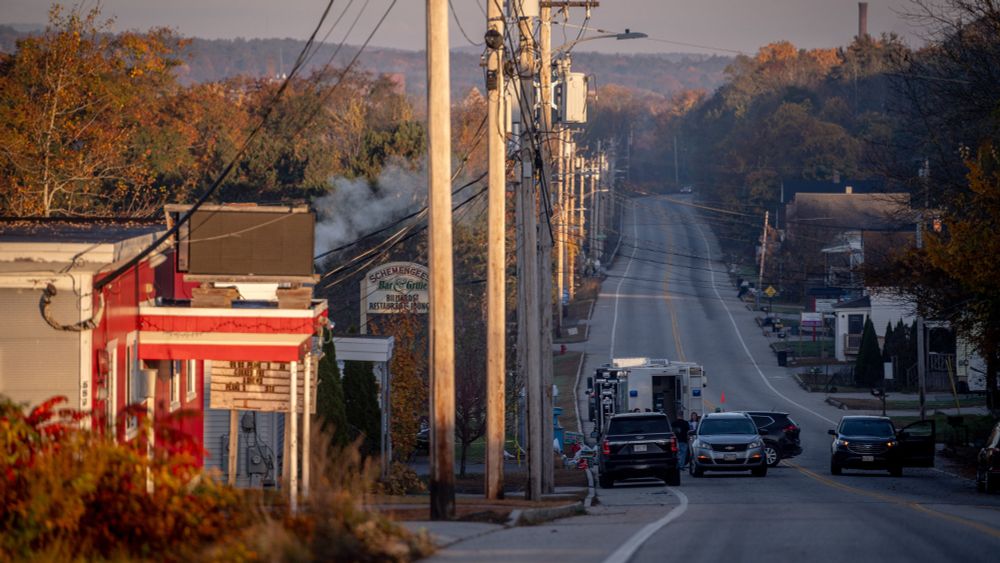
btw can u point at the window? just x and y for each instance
(855, 324)
(175, 384)
(635, 425)
(133, 385)
(191, 379)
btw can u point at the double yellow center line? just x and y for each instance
(988, 530)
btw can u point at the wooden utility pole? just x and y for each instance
(545, 248)
(763, 255)
(496, 306)
(442, 314)
(529, 307)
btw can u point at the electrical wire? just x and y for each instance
(269, 108)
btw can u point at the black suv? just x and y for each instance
(872, 442)
(780, 434)
(638, 445)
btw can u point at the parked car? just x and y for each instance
(988, 463)
(638, 445)
(727, 441)
(780, 434)
(687, 189)
(872, 442)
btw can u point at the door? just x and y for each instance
(916, 443)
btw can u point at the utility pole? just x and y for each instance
(763, 255)
(496, 312)
(677, 170)
(528, 299)
(924, 174)
(545, 246)
(442, 313)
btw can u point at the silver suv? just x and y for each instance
(727, 441)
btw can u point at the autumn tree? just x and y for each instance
(409, 385)
(72, 103)
(954, 275)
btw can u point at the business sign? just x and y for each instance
(811, 320)
(396, 287)
(258, 386)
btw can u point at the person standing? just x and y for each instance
(694, 421)
(681, 431)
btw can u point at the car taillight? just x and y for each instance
(606, 447)
(673, 444)
(790, 428)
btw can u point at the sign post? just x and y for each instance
(393, 288)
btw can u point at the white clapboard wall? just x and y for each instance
(270, 432)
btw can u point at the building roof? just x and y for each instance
(791, 187)
(103, 230)
(842, 212)
(79, 242)
(859, 303)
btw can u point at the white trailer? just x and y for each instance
(663, 385)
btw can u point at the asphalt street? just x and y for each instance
(668, 295)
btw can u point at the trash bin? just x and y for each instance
(783, 358)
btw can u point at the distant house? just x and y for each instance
(881, 308)
(838, 213)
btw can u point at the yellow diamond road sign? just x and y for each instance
(770, 291)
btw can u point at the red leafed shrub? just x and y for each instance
(68, 489)
(70, 494)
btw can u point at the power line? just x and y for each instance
(458, 22)
(269, 108)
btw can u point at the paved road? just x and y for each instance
(667, 296)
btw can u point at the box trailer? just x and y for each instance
(662, 385)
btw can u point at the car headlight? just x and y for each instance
(892, 443)
(704, 446)
(755, 444)
(841, 443)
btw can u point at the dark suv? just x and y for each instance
(988, 463)
(872, 442)
(727, 441)
(780, 434)
(638, 445)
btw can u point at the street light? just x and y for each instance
(628, 34)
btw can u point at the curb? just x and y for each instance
(532, 516)
(836, 403)
(589, 501)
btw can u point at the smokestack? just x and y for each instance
(862, 19)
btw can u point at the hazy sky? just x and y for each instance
(742, 25)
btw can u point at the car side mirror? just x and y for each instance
(831, 432)
(763, 431)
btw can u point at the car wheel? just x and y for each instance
(672, 478)
(696, 470)
(991, 485)
(896, 471)
(835, 468)
(606, 482)
(760, 471)
(772, 454)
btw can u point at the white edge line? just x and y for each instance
(618, 290)
(743, 343)
(626, 550)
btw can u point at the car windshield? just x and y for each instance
(712, 426)
(651, 425)
(866, 428)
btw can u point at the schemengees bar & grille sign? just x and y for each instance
(396, 287)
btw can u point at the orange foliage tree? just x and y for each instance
(74, 100)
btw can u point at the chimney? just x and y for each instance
(862, 19)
